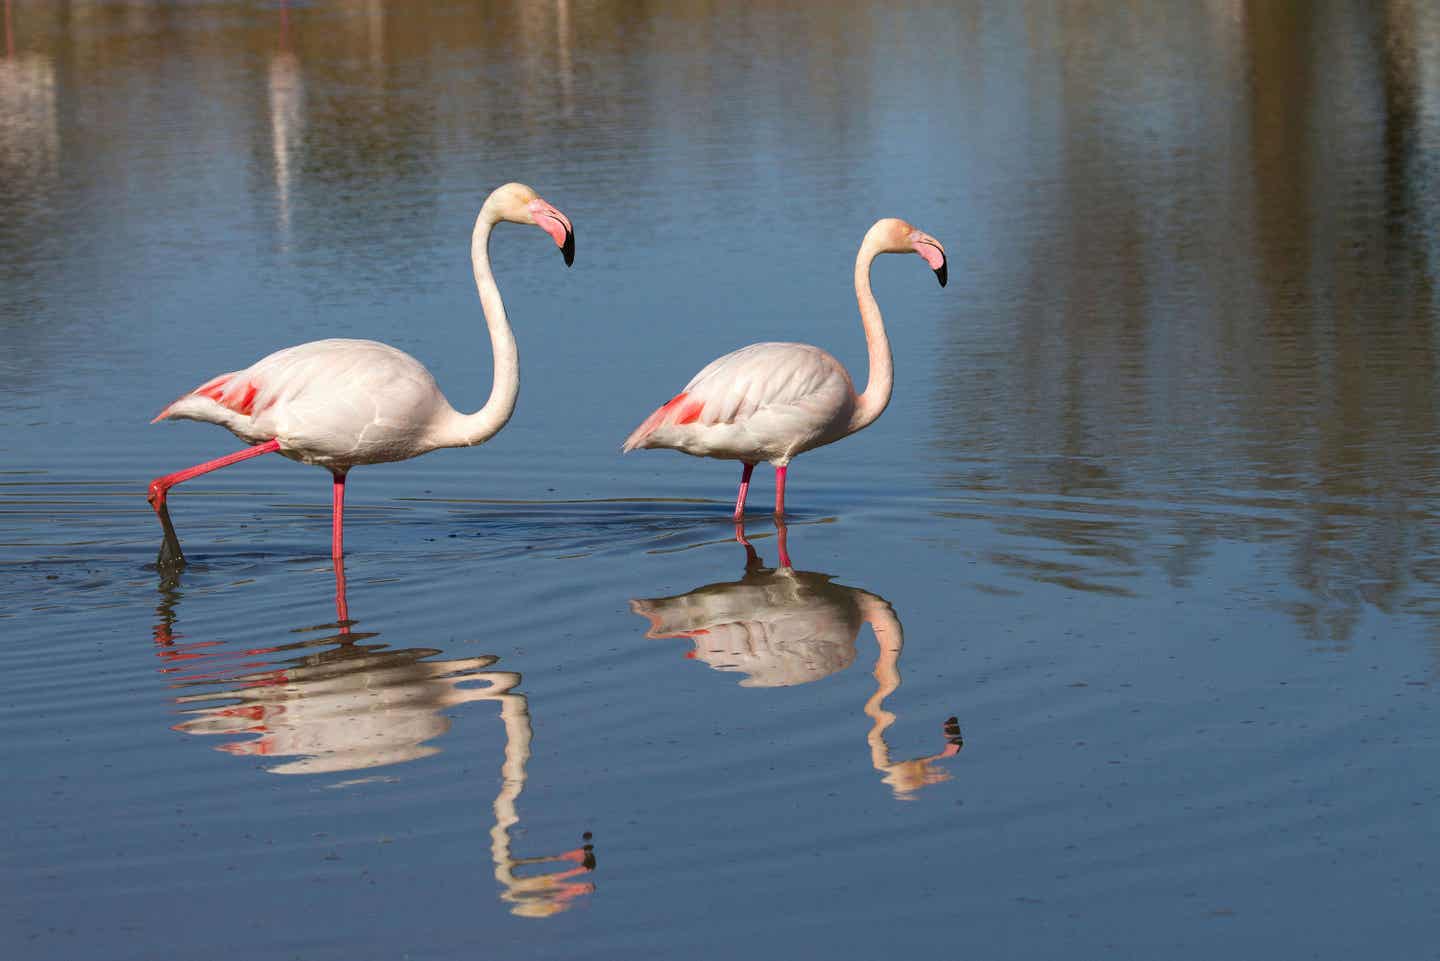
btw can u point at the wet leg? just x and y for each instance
(170, 555)
(780, 491)
(780, 536)
(337, 520)
(342, 609)
(744, 491)
(752, 559)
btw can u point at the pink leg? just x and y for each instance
(337, 518)
(342, 609)
(744, 491)
(780, 492)
(780, 535)
(752, 559)
(170, 554)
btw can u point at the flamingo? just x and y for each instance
(783, 627)
(338, 403)
(772, 401)
(346, 702)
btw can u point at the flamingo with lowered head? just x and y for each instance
(338, 403)
(772, 401)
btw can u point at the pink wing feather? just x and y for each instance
(233, 391)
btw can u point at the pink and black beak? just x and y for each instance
(557, 225)
(929, 248)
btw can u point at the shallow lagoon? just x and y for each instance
(1150, 511)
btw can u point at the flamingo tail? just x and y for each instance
(679, 410)
(216, 401)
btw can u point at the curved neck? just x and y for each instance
(872, 403)
(468, 429)
(890, 638)
(903, 777)
(515, 714)
(532, 894)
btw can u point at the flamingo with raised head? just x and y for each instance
(772, 401)
(339, 403)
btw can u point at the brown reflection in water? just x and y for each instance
(29, 137)
(782, 627)
(1224, 322)
(29, 159)
(333, 703)
(353, 98)
(287, 120)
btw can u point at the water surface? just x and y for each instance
(1149, 517)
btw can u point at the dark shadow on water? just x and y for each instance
(584, 528)
(333, 700)
(782, 627)
(75, 536)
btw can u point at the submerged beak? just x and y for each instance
(557, 225)
(929, 248)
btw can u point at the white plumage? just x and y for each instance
(778, 628)
(338, 403)
(771, 401)
(765, 402)
(335, 403)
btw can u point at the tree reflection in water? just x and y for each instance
(1208, 321)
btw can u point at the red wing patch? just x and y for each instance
(227, 392)
(239, 397)
(680, 409)
(661, 416)
(247, 399)
(669, 406)
(689, 413)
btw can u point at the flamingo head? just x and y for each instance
(895, 236)
(520, 204)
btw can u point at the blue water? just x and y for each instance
(1150, 515)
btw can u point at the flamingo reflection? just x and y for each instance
(782, 627)
(337, 702)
